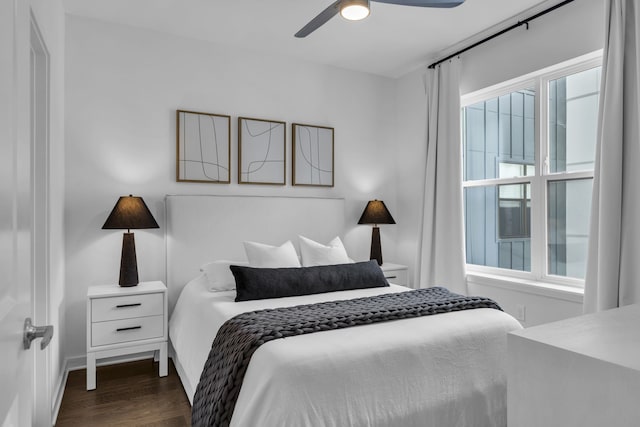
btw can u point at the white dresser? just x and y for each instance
(578, 372)
(126, 320)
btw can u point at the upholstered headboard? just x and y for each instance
(203, 228)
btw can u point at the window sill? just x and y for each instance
(552, 290)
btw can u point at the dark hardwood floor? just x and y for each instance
(128, 394)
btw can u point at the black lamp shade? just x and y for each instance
(129, 213)
(376, 212)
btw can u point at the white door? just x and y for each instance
(16, 374)
(19, 263)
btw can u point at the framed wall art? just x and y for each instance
(203, 147)
(312, 155)
(261, 151)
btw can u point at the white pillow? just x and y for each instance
(219, 275)
(267, 256)
(314, 253)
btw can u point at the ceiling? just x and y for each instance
(393, 40)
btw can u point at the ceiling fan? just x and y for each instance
(355, 10)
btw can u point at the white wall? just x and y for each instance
(568, 32)
(410, 162)
(529, 304)
(123, 86)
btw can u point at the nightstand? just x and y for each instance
(126, 320)
(396, 273)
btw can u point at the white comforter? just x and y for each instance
(443, 370)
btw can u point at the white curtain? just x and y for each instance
(613, 262)
(442, 258)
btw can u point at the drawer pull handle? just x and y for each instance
(128, 329)
(128, 305)
(391, 277)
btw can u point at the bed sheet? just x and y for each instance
(440, 370)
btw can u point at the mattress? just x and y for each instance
(442, 370)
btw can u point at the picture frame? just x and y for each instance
(261, 151)
(313, 155)
(203, 147)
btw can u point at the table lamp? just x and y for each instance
(376, 213)
(129, 213)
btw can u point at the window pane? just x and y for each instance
(573, 119)
(486, 215)
(499, 137)
(569, 209)
(514, 170)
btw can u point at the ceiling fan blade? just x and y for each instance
(424, 3)
(319, 20)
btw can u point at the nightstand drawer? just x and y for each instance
(126, 307)
(119, 331)
(397, 274)
(397, 277)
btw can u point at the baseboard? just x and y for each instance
(75, 363)
(59, 392)
(80, 362)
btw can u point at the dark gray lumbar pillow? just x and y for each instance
(261, 283)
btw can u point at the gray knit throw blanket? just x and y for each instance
(240, 337)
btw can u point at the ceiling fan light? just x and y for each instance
(355, 10)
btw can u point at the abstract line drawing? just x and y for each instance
(261, 151)
(312, 155)
(203, 147)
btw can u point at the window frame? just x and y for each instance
(538, 80)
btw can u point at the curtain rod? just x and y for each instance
(499, 33)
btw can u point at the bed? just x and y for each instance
(440, 370)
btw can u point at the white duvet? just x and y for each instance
(443, 370)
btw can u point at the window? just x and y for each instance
(528, 158)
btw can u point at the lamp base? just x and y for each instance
(376, 248)
(128, 262)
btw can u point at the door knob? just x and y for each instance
(32, 332)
